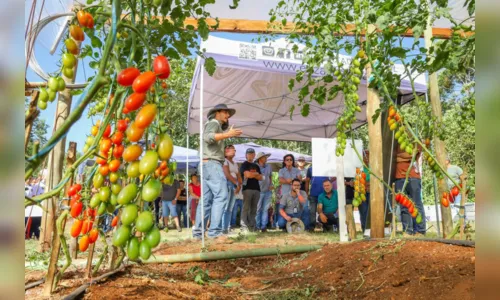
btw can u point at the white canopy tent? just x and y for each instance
(253, 78)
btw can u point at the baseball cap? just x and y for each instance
(250, 150)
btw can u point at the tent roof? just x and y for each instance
(253, 78)
(276, 154)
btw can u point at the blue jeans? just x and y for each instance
(182, 210)
(262, 207)
(168, 208)
(214, 199)
(304, 217)
(413, 190)
(364, 208)
(238, 203)
(226, 218)
(313, 205)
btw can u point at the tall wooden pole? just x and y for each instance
(461, 211)
(376, 162)
(438, 144)
(33, 113)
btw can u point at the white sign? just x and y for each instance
(324, 159)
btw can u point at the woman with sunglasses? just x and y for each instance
(287, 174)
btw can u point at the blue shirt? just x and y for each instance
(287, 174)
(316, 185)
(265, 170)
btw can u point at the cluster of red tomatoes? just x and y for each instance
(82, 223)
(408, 203)
(450, 197)
(359, 188)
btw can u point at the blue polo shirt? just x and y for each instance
(316, 184)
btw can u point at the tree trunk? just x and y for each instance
(438, 144)
(30, 118)
(351, 226)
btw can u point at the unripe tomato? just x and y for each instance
(94, 130)
(132, 152)
(145, 221)
(144, 250)
(76, 209)
(98, 180)
(118, 151)
(146, 116)
(105, 144)
(127, 76)
(121, 125)
(95, 201)
(153, 237)
(151, 190)
(134, 133)
(93, 235)
(134, 101)
(83, 243)
(68, 60)
(121, 236)
(129, 214)
(148, 162)
(117, 138)
(116, 188)
(133, 169)
(165, 147)
(76, 33)
(42, 105)
(71, 46)
(107, 131)
(52, 94)
(161, 67)
(133, 248)
(144, 82)
(104, 170)
(76, 228)
(104, 193)
(113, 177)
(127, 194)
(114, 222)
(68, 72)
(102, 208)
(114, 165)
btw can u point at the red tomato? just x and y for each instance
(114, 222)
(146, 116)
(153, 145)
(101, 161)
(164, 85)
(163, 165)
(118, 151)
(451, 199)
(117, 138)
(125, 110)
(455, 191)
(134, 133)
(72, 191)
(105, 145)
(411, 208)
(127, 76)
(134, 101)
(76, 198)
(76, 209)
(90, 21)
(86, 227)
(104, 170)
(76, 227)
(398, 197)
(83, 243)
(445, 202)
(76, 33)
(121, 125)
(114, 165)
(161, 67)
(82, 18)
(144, 82)
(93, 235)
(107, 131)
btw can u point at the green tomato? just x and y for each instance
(105, 193)
(355, 79)
(133, 248)
(153, 237)
(165, 147)
(110, 208)
(102, 208)
(116, 188)
(113, 200)
(145, 221)
(149, 162)
(397, 135)
(98, 180)
(95, 201)
(68, 60)
(157, 3)
(409, 149)
(121, 236)
(356, 202)
(419, 218)
(151, 190)
(89, 140)
(127, 194)
(52, 84)
(86, 148)
(148, 2)
(355, 62)
(68, 72)
(42, 105)
(133, 169)
(356, 71)
(52, 94)
(61, 84)
(144, 250)
(129, 214)
(43, 95)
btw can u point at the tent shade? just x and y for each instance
(276, 154)
(253, 78)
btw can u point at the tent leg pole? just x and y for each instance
(341, 194)
(201, 160)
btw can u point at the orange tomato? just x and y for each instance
(90, 21)
(118, 151)
(107, 131)
(157, 173)
(146, 116)
(87, 225)
(93, 235)
(76, 33)
(132, 153)
(104, 170)
(163, 165)
(164, 172)
(83, 243)
(76, 227)
(82, 18)
(117, 138)
(134, 133)
(104, 145)
(164, 85)
(392, 112)
(94, 130)
(144, 82)
(114, 222)
(100, 160)
(114, 165)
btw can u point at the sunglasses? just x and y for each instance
(288, 159)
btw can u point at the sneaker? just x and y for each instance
(264, 230)
(179, 229)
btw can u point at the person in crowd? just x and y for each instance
(328, 206)
(251, 174)
(233, 185)
(182, 204)
(293, 204)
(238, 206)
(301, 166)
(364, 207)
(413, 190)
(455, 172)
(157, 204)
(314, 187)
(266, 191)
(288, 173)
(270, 215)
(215, 198)
(194, 193)
(170, 195)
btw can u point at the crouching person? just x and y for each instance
(328, 206)
(294, 205)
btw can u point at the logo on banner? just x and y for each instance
(248, 51)
(267, 51)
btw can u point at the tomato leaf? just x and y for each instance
(96, 42)
(292, 108)
(210, 65)
(235, 4)
(398, 52)
(305, 110)
(203, 28)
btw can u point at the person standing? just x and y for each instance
(233, 185)
(288, 173)
(293, 205)
(250, 172)
(266, 191)
(328, 206)
(237, 205)
(301, 163)
(170, 194)
(455, 172)
(314, 187)
(364, 207)
(182, 204)
(194, 193)
(413, 190)
(214, 182)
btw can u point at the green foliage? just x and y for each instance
(199, 275)
(38, 132)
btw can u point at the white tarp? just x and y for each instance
(253, 78)
(324, 159)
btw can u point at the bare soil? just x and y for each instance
(398, 269)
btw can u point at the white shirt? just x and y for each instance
(233, 168)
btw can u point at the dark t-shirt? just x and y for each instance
(170, 191)
(183, 194)
(252, 183)
(349, 191)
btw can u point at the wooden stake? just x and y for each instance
(376, 162)
(351, 226)
(30, 118)
(438, 143)
(461, 211)
(393, 233)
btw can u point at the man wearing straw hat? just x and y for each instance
(266, 191)
(214, 182)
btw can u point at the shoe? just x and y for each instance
(179, 229)
(264, 230)
(419, 235)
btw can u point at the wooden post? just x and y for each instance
(438, 144)
(55, 165)
(89, 260)
(461, 211)
(376, 162)
(341, 196)
(393, 233)
(351, 226)
(30, 118)
(56, 240)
